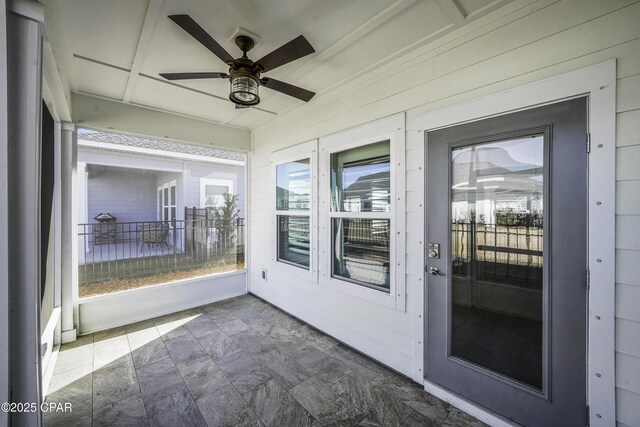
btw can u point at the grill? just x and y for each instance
(105, 230)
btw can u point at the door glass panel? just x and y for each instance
(497, 206)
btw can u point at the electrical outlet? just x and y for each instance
(264, 274)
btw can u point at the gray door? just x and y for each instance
(506, 298)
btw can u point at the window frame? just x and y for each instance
(161, 200)
(305, 150)
(391, 128)
(213, 181)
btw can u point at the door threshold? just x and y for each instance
(465, 405)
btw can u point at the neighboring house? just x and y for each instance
(139, 179)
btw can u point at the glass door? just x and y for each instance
(506, 292)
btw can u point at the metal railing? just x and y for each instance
(501, 253)
(129, 250)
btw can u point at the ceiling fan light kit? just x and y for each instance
(244, 74)
(244, 89)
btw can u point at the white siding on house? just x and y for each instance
(132, 191)
(198, 171)
(521, 43)
(127, 194)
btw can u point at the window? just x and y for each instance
(293, 208)
(167, 201)
(362, 212)
(361, 215)
(211, 191)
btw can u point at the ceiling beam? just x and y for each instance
(151, 19)
(116, 116)
(453, 11)
(55, 93)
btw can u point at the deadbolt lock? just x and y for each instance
(434, 250)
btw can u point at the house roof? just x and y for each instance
(128, 141)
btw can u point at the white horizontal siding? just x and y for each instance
(628, 231)
(127, 194)
(524, 42)
(628, 125)
(628, 337)
(628, 163)
(627, 404)
(627, 302)
(628, 372)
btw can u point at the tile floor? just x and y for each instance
(238, 362)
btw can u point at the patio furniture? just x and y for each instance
(152, 234)
(105, 230)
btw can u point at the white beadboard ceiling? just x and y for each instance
(115, 49)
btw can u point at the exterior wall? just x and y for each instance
(127, 194)
(524, 42)
(198, 171)
(130, 193)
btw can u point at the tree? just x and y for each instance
(225, 219)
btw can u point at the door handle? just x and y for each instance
(434, 271)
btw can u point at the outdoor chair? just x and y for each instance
(152, 234)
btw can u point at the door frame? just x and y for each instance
(598, 83)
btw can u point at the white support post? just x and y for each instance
(57, 227)
(4, 229)
(24, 100)
(69, 221)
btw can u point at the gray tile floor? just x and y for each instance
(239, 362)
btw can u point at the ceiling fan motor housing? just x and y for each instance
(244, 74)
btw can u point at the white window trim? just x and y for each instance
(305, 150)
(598, 82)
(390, 128)
(212, 181)
(168, 185)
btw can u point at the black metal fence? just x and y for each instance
(501, 253)
(127, 250)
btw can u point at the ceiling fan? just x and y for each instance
(245, 74)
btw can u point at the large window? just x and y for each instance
(360, 215)
(293, 212)
(362, 212)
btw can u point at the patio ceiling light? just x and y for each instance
(244, 89)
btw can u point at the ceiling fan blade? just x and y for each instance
(187, 76)
(241, 107)
(197, 32)
(287, 89)
(296, 48)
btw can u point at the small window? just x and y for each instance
(212, 192)
(361, 215)
(293, 210)
(213, 195)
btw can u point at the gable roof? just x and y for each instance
(129, 141)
